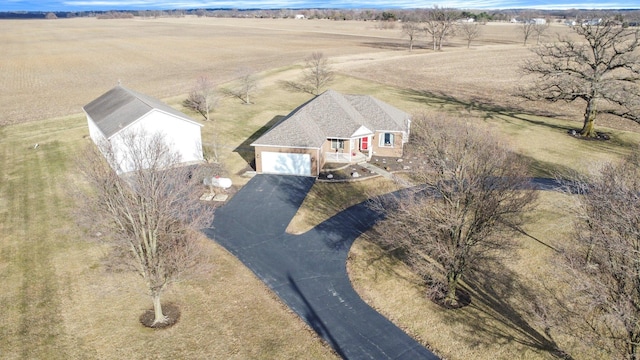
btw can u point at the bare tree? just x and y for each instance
(470, 32)
(540, 29)
(317, 74)
(603, 71)
(527, 28)
(150, 216)
(202, 98)
(472, 196)
(212, 150)
(245, 86)
(605, 264)
(527, 25)
(411, 30)
(440, 23)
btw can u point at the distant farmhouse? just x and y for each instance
(332, 127)
(121, 111)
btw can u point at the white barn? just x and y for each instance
(122, 111)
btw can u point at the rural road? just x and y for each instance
(308, 271)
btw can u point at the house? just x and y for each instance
(331, 127)
(121, 111)
(538, 21)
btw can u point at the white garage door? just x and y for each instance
(286, 163)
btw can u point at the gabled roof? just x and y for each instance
(380, 115)
(336, 116)
(120, 107)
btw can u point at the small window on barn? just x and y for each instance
(386, 140)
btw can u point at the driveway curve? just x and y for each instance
(308, 272)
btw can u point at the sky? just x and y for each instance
(88, 5)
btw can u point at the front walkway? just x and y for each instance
(377, 170)
(308, 271)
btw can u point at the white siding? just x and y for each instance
(96, 135)
(182, 136)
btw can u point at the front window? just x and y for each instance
(386, 140)
(337, 144)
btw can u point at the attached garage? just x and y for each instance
(286, 163)
(331, 127)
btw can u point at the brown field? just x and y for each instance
(53, 68)
(59, 302)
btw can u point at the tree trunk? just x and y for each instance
(157, 309)
(452, 286)
(588, 129)
(632, 347)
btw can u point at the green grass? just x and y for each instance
(33, 219)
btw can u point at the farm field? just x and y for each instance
(60, 302)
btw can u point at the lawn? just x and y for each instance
(59, 300)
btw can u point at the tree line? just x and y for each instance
(334, 14)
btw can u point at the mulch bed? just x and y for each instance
(600, 136)
(344, 172)
(464, 299)
(170, 310)
(390, 164)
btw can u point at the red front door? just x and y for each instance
(364, 143)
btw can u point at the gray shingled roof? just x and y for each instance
(120, 107)
(333, 115)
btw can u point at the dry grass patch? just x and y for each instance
(326, 199)
(499, 323)
(60, 302)
(46, 64)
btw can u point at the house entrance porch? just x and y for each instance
(345, 157)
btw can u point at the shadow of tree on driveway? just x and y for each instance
(311, 317)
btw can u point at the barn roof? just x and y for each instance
(333, 115)
(120, 107)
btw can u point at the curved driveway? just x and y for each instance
(308, 271)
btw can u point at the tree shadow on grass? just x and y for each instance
(507, 304)
(485, 107)
(398, 45)
(502, 305)
(245, 150)
(544, 169)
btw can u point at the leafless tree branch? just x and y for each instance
(471, 199)
(602, 70)
(202, 98)
(150, 216)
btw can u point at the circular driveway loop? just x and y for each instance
(308, 272)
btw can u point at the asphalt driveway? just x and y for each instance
(308, 271)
